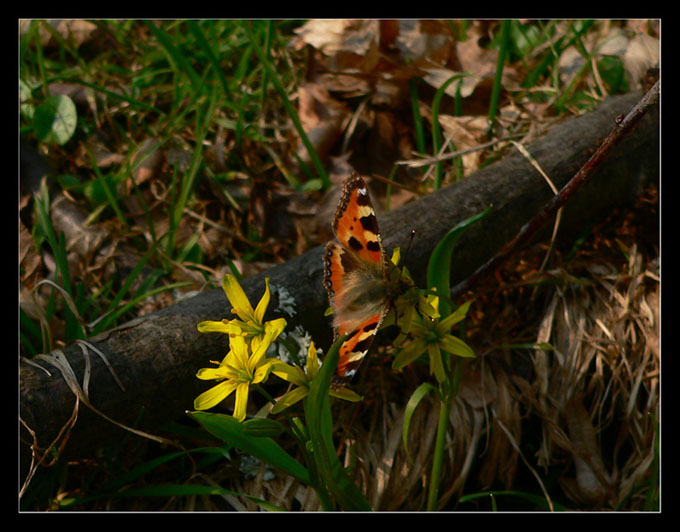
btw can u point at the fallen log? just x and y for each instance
(144, 373)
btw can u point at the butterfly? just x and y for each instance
(356, 277)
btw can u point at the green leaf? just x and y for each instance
(55, 119)
(320, 427)
(613, 74)
(417, 396)
(231, 431)
(439, 265)
(262, 428)
(456, 346)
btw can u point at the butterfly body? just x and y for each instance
(356, 276)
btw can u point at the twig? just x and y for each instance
(440, 157)
(623, 126)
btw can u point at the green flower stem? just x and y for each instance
(293, 430)
(316, 481)
(450, 389)
(433, 493)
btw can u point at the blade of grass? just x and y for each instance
(496, 89)
(555, 50)
(436, 128)
(417, 119)
(439, 265)
(538, 500)
(188, 181)
(268, 32)
(35, 27)
(411, 405)
(102, 325)
(205, 46)
(276, 81)
(110, 95)
(175, 55)
(58, 245)
(111, 198)
(147, 294)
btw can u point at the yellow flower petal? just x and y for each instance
(274, 328)
(290, 373)
(239, 350)
(207, 374)
(312, 365)
(214, 395)
(262, 371)
(264, 302)
(228, 360)
(429, 305)
(237, 298)
(241, 400)
(396, 256)
(226, 327)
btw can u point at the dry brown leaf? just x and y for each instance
(82, 239)
(331, 36)
(29, 258)
(638, 53)
(476, 64)
(323, 119)
(350, 45)
(75, 31)
(95, 148)
(145, 162)
(466, 132)
(425, 42)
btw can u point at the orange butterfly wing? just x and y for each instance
(354, 276)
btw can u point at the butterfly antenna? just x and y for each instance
(413, 234)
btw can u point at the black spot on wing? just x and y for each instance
(363, 345)
(373, 245)
(369, 223)
(363, 199)
(370, 326)
(355, 244)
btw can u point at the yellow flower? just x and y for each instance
(302, 379)
(244, 365)
(250, 322)
(432, 335)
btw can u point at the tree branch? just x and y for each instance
(623, 126)
(156, 357)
